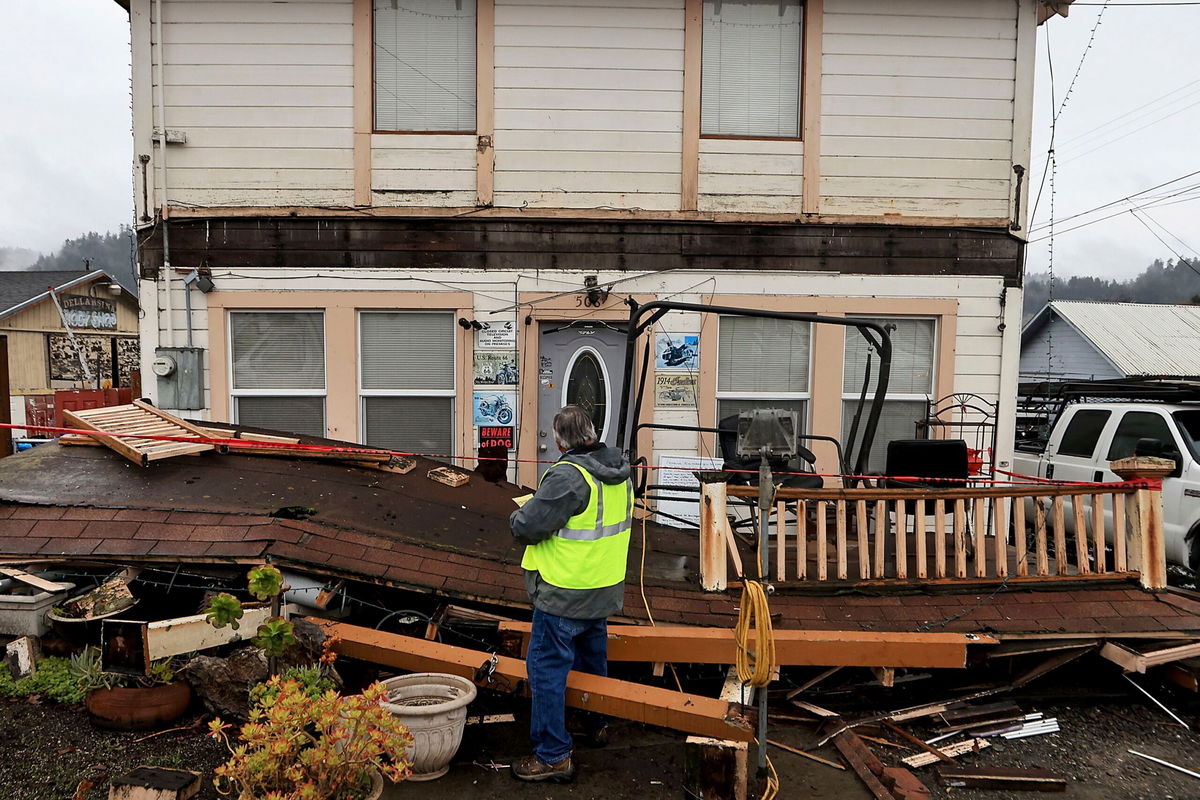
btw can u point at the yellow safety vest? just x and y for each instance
(591, 550)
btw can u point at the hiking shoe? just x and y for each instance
(532, 768)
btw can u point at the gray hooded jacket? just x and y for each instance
(563, 494)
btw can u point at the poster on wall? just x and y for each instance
(675, 390)
(677, 351)
(496, 369)
(496, 336)
(494, 408)
(677, 471)
(94, 313)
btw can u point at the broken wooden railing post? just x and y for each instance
(1144, 516)
(714, 568)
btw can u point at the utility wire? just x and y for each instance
(1120, 200)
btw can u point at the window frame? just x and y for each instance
(805, 22)
(364, 393)
(905, 397)
(805, 397)
(375, 129)
(235, 393)
(1105, 416)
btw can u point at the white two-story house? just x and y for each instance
(415, 223)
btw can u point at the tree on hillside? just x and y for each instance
(111, 252)
(1170, 282)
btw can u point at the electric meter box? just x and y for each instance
(180, 375)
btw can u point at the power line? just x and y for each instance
(1123, 199)
(1182, 260)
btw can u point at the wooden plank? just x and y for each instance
(919, 535)
(1000, 528)
(960, 540)
(1082, 562)
(1098, 533)
(694, 714)
(885, 675)
(920, 745)
(1061, 566)
(863, 762)
(780, 541)
(693, 30)
(1119, 532)
(1017, 490)
(840, 520)
(864, 553)
(980, 539)
(1003, 778)
(801, 539)
(187, 426)
(32, 580)
(1020, 541)
(695, 645)
(901, 539)
(956, 749)
(810, 756)
(1039, 536)
(714, 569)
(881, 520)
(1132, 660)
(822, 544)
(170, 637)
(939, 542)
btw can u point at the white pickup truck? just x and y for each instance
(1087, 436)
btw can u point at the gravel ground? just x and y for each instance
(48, 749)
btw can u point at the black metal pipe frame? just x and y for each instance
(654, 311)
(662, 426)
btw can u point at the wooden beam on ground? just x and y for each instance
(863, 762)
(693, 645)
(704, 716)
(1132, 660)
(1004, 778)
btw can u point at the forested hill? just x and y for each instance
(1170, 282)
(111, 252)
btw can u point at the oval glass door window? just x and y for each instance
(587, 389)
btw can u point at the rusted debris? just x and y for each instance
(954, 750)
(1005, 778)
(448, 476)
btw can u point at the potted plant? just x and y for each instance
(301, 744)
(129, 702)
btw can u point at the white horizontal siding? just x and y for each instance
(589, 104)
(917, 107)
(423, 169)
(264, 92)
(751, 175)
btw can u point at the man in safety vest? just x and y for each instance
(576, 531)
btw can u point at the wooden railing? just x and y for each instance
(1018, 532)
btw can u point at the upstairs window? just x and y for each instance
(425, 65)
(910, 384)
(750, 78)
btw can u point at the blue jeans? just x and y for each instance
(556, 646)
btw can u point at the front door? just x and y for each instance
(581, 363)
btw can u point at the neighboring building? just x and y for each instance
(1070, 340)
(41, 354)
(356, 176)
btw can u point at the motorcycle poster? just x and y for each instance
(677, 351)
(495, 408)
(495, 369)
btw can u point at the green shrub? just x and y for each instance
(312, 679)
(53, 679)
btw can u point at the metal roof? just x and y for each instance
(1140, 339)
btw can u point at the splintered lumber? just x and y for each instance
(448, 476)
(398, 465)
(140, 417)
(956, 749)
(864, 763)
(32, 580)
(144, 642)
(1132, 660)
(714, 769)
(690, 645)
(703, 716)
(155, 783)
(1007, 778)
(921, 745)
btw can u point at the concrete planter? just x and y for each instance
(23, 610)
(433, 707)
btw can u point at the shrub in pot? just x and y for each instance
(301, 744)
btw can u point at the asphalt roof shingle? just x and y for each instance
(17, 286)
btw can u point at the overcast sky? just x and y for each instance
(1131, 122)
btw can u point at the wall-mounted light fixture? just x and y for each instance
(201, 282)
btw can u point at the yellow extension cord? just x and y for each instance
(755, 666)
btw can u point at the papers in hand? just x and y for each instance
(523, 499)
